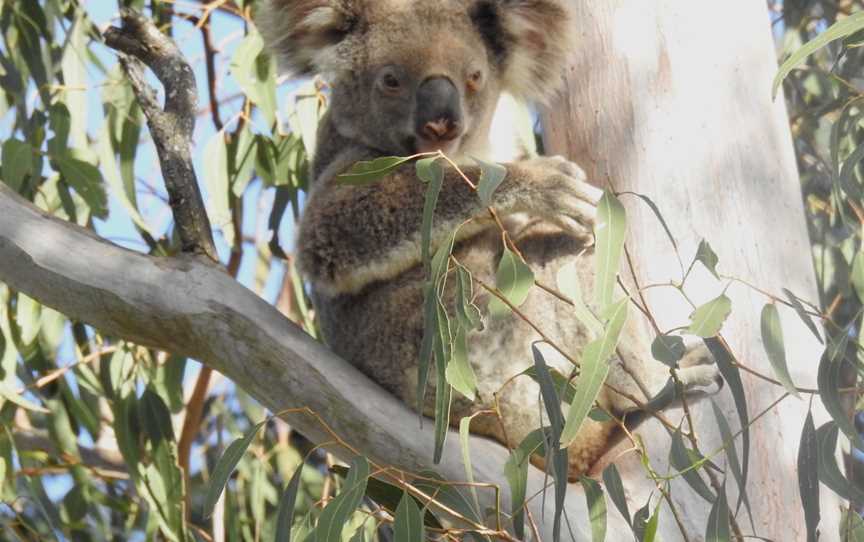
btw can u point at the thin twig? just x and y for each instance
(140, 43)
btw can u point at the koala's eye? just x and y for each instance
(475, 81)
(391, 82)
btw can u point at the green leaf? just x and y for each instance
(516, 472)
(732, 376)
(802, 313)
(772, 339)
(336, 514)
(408, 523)
(465, 442)
(514, 280)
(255, 74)
(225, 466)
(468, 313)
(155, 418)
(650, 534)
(851, 527)
(285, 515)
(829, 380)
(593, 371)
(459, 372)
(570, 285)
(596, 508)
(216, 180)
(708, 257)
(718, 520)
(668, 349)
(640, 521)
(429, 170)
(450, 496)
(707, 320)
(241, 160)
(17, 164)
(491, 177)
(388, 495)
(8, 393)
(615, 489)
(368, 172)
(829, 473)
(443, 391)
(680, 458)
(610, 232)
(87, 181)
(840, 29)
(114, 178)
(732, 457)
(808, 477)
(659, 215)
(556, 456)
(857, 276)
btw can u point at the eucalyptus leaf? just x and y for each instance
(408, 523)
(808, 477)
(668, 349)
(718, 529)
(610, 232)
(706, 255)
(225, 466)
(285, 514)
(732, 376)
(593, 371)
(732, 457)
(772, 340)
(707, 320)
(17, 162)
(514, 280)
(368, 172)
(87, 181)
(429, 170)
(596, 508)
(491, 177)
(841, 29)
(615, 489)
(337, 512)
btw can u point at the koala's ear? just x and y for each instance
(531, 40)
(304, 34)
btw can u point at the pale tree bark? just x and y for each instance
(673, 100)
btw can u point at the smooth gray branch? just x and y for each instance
(140, 43)
(194, 309)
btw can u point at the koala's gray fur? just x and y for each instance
(359, 247)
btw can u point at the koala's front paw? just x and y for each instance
(562, 195)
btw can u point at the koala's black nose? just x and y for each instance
(439, 110)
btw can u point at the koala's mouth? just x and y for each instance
(422, 145)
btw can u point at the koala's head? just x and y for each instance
(414, 76)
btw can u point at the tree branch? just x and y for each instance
(140, 43)
(193, 309)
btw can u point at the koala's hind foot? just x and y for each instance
(698, 371)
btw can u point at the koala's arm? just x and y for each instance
(351, 236)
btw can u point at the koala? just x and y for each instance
(414, 76)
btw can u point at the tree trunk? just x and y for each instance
(667, 100)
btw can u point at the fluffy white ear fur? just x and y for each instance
(304, 34)
(541, 38)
